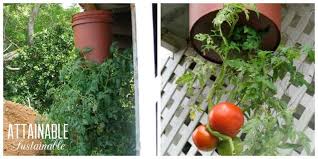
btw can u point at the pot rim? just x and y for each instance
(94, 16)
(92, 13)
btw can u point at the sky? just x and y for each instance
(68, 5)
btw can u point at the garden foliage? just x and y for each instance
(252, 72)
(38, 67)
(97, 103)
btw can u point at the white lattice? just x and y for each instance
(176, 126)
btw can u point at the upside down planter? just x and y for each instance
(202, 15)
(93, 29)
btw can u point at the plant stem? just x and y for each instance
(233, 92)
(218, 82)
(224, 39)
(232, 28)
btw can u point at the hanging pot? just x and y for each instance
(269, 21)
(93, 30)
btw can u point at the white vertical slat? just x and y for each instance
(147, 90)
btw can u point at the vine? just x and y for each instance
(252, 72)
(97, 103)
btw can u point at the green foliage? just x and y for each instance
(244, 40)
(15, 21)
(209, 42)
(54, 14)
(16, 18)
(223, 147)
(230, 14)
(310, 52)
(193, 110)
(39, 67)
(252, 72)
(40, 63)
(97, 103)
(251, 39)
(201, 74)
(203, 71)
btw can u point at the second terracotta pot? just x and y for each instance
(202, 15)
(93, 29)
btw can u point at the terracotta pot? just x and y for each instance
(93, 29)
(202, 15)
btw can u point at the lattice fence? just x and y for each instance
(176, 126)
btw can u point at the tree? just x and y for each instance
(30, 70)
(17, 17)
(33, 14)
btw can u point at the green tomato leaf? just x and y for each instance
(309, 51)
(289, 146)
(224, 148)
(185, 78)
(86, 50)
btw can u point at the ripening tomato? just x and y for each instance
(226, 118)
(203, 139)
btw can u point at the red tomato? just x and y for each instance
(226, 118)
(203, 139)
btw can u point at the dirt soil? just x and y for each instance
(18, 114)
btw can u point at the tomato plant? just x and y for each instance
(97, 103)
(252, 72)
(226, 118)
(203, 139)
